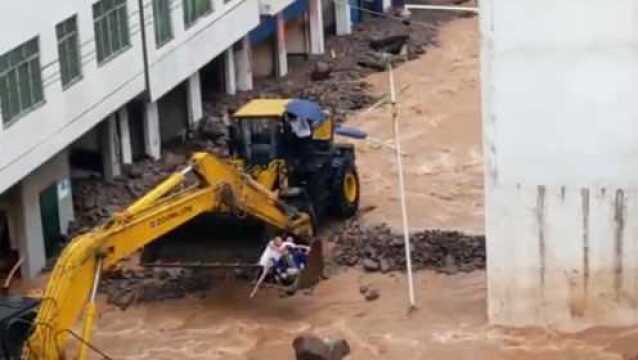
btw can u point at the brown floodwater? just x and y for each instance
(450, 323)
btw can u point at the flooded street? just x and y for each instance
(449, 323)
(440, 117)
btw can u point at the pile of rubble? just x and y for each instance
(335, 79)
(124, 288)
(377, 248)
(95, 200)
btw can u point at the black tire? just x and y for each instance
(346, 202)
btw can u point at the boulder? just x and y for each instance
(311, 347)
(321, 71)
(372, 295)
(370, 265)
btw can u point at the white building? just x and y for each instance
(82, 78)
(561, 147)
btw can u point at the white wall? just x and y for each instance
(24, 211)
(272, 7)
(194, 47)
(560, 81)
(66, 115)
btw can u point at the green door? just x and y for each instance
(50, 220)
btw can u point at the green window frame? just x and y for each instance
(69, 51)
(110, 20)
(162, 22)
(21, 88)
(195, 9)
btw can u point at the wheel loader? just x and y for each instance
(285, 171)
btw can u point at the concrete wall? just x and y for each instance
(67, 114)
(296, 36)
(24, 210)
(561, 143)
(192, 48)
(263, 59)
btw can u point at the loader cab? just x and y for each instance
(257, 139)
(265, 129)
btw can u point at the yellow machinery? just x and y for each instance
(282, 172)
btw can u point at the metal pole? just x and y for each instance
(404, 209)
(443, 8)
(261, 279)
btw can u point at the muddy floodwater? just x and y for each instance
(449, 323)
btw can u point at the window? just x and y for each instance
(110, 19)
(20, 80)
(194, 9)
(69, 51)
(162, 19)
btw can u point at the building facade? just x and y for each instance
(95, 79)
(560, 143)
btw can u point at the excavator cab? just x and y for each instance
(16, 318)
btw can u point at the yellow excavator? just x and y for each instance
(284, 171)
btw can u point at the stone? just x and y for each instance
(370, 265)
(390, 44)
(372, 295)
(450, 267)
(339, 348)
(173, 160)
(89, 203)
(321, 71)
(133, 172)
(124, 299)
(311, 347)
(384, 266)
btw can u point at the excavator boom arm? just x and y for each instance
(72, 281)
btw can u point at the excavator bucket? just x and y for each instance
(212, 240)
(314, 272)
(224, 242)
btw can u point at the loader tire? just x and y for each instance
(346, 189)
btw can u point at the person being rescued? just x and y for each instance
(284, 260)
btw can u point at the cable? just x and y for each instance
(386, 15)
(91, 346)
